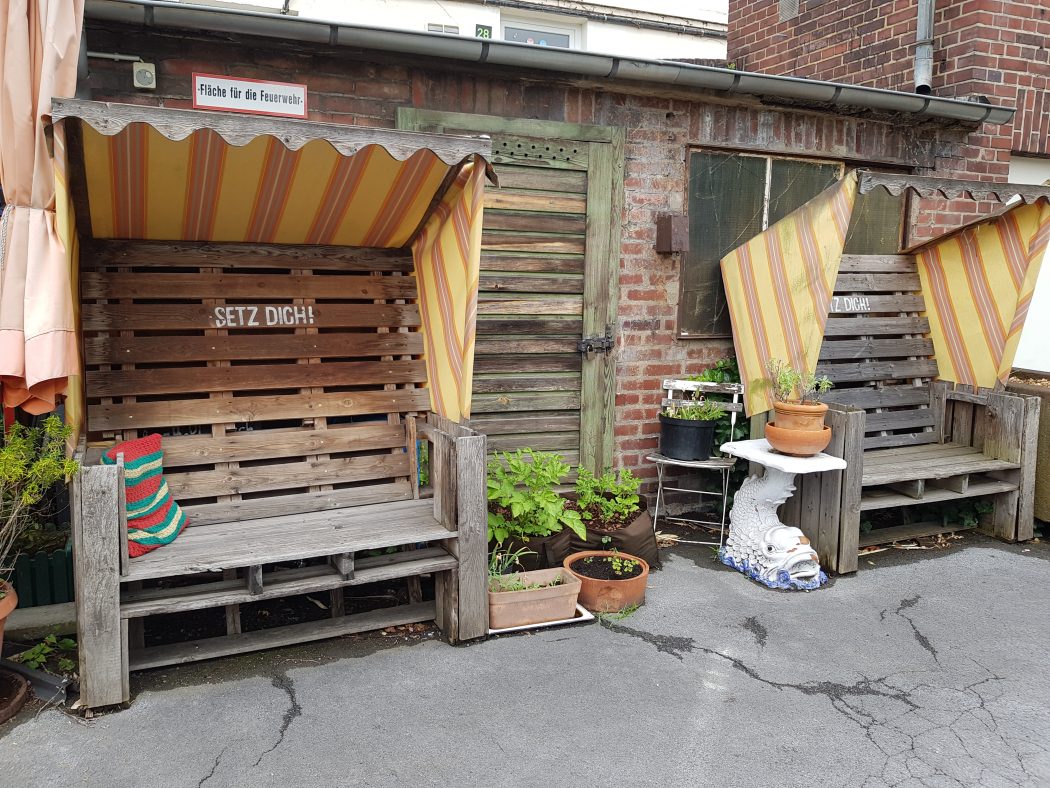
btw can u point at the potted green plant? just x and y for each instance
(32, 461)
(526, 511)
(518, 599)
(614, 513)
(687, 430)
(610, 581)
(798, 427)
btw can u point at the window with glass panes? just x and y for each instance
(735, 196)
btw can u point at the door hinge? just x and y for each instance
(603, 344)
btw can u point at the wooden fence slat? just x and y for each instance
(877, 370)
(176, 413)
(875, 348)
(294, 475)
(198, 317)
(196, 254)
(274, 444)
(885, 397)
(1029, 451)
(875, 326)
(253, 347)
(243, 286)
(251, 377)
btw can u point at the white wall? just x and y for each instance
(1034, 350)
(593, 36)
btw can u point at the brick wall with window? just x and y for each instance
(996, 49)
(665, 137)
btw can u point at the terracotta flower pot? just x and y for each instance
(609, 596)
(800, 415)
(535, 605)
(797, 443)
(8, 602)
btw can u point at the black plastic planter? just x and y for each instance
(686, 439)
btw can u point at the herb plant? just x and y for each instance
(32, 461)
(695, 410)
(612, 497)
(503, 578)
(522, 500)
(789, 385)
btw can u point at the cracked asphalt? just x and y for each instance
(923, 669)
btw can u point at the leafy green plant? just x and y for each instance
(786, 384)
(522, 500)
(32, 461)
(695, 410)
(502, 574)
(612, 496)
(52, 649)
(619, 615)
(622, 566)
(966, 512)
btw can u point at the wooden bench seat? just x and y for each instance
(294, 450)
(275, 540)
(907, 438)
(935, 461)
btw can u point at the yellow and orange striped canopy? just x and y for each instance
(779, 287)
(978, 283)
(184, 175)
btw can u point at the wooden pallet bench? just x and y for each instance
(907, 438)
(292, 449)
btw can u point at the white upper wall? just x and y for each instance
(553, 26)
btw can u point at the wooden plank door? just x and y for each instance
(549, 277)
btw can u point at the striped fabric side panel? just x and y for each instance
(779, 287)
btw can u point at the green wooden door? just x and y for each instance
(549, 277)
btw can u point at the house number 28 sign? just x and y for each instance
(261, 316)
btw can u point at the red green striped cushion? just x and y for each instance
(154, 518)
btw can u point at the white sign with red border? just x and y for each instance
(254, 96)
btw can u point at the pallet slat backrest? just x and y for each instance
(283, 379)
(876, 352)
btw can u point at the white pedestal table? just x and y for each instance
(759, 545)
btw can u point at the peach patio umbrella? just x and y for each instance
(39, 45)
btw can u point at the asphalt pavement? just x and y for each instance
(926, 668)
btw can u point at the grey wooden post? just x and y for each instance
(102, 635)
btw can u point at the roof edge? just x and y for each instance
(161, 13)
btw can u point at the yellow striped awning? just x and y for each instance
(186, 175)
(978, 282)
(779, 287)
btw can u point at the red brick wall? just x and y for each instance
(361, 88)
(992, 48)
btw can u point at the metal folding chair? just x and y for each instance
(723, 464)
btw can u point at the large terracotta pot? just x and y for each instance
(536, 605)
(609, 596)
(800, 415)
(7, 603)
(798, 428)
(797, 443)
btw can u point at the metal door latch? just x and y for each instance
(603, 344)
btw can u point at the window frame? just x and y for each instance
(543, 25)
(769, 157)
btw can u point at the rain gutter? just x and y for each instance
(159, 13)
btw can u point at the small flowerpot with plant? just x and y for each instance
(687, 431)
(519, 599)
(610, 580)
(526, 511)
(615, 514)
(798, 426)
